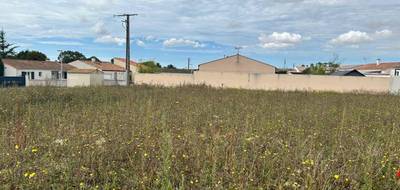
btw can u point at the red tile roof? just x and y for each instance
(36, 65)
(105, 66)
(382, 66)
(83, 71)
(124, 60)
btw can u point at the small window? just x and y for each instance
(40, 74)
(33, 75)
(397, 72)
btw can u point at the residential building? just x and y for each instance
(134, 66)
(37, 73)
(379, 69)
(112, 74)
(352, 73)
(237, 63)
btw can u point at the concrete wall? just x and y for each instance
(48, 82)
(271, 81)
(237, 63)
(85, 79)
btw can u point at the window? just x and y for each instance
(54, 75)
(32, 75)
(40, 74)
(64, 75)
(397, 72)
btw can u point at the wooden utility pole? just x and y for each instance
(128, 46)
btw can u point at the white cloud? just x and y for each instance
(280, 40)
(110, 39)
(104, 36)
(384, 33)
(61, 43)
(352, 38)
(174, 42)
(140, 43)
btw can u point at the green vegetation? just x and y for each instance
(6, 49)
(196, 138)
(322, 68)
(71, 56)
(31, 55)
(149, 67)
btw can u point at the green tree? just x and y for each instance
(170, 66)
(149, 67)
(71, 56)
(31, 55)
(7, 50)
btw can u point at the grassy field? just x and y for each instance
(197, 138)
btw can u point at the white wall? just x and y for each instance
(10, 71)
(272, 81)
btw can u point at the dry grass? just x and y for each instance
(196, 138)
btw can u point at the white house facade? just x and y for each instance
(112, 74)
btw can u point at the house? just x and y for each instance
(352, 73)
(37, 72)
(112, 74)
(379, 69)
(237, 63)
(122, 63)
(84, 77)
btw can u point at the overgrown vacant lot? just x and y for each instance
(197, 138)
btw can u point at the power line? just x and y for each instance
(128, 45)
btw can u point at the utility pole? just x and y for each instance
(284, 64)
(128, 45)
(61, 63)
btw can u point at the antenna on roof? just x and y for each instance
(238, 48)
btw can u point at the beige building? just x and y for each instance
(237, 63)
(122, 63)
(84, 77)
(112, 74)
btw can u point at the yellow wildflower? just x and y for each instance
(34, 150)
(33, 174)
(336, 177)
(16, 147)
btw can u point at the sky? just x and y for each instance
(171, 31)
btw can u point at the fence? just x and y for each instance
(273, 82)
(12, 81)
(50, 82)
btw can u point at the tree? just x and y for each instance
(71, 56)
(93, 57)
(149, 67)
(31, 55)
(170, 66)
(7, 50)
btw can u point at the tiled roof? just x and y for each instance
(123, 60)
(382, 66)
(105, 66)
(83, 71)
(36, 65)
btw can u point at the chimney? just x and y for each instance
(378, 62)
